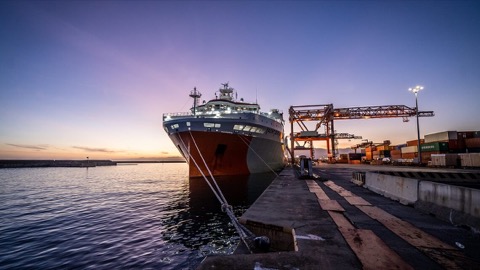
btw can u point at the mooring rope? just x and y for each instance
(208, 169)
(201, 172)
(243, 232)
(246, 142)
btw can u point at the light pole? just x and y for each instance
(415, 90)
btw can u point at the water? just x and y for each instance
(148, 216)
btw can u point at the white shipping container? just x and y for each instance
(441, 136)
(409, 149)
(470, 159)
(444, 159)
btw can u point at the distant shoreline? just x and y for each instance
(74, 163)
(150, 161)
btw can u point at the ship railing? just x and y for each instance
(168, 116)
(178, 115)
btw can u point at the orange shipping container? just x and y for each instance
(409, 155)
(415, 142)
(395, 152)
(472, 143)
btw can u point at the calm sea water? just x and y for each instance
(148, 216)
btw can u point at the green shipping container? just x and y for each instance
(434, 147)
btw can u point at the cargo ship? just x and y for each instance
(229, 136)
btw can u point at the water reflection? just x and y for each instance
(199, 223)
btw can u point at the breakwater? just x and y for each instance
(54, 163)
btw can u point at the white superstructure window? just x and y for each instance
(211, 125)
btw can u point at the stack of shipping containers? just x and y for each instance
(472, 144)
(445, 148)
(411, 150)
(440, 144)
(396, 151)
(472, 149)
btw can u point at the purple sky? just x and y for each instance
(93, 78)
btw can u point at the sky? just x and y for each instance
(93, 78)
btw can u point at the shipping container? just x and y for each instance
(415, 142)
(465, 134)
(395, 154)
(435, 147)
(354, 156)
(472, 143)
(426, 156)
(454, 145)
(470, 160)
(441, 136)
(443, 160)
(409, 149)
(409, 155)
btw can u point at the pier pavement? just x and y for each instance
(335, 224)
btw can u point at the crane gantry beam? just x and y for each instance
(325, 114)
(388, 111)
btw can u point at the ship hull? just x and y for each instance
(220, 153)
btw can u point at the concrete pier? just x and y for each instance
(333, 223)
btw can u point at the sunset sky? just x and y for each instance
(93, 78)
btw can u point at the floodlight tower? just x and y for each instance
(415, 90)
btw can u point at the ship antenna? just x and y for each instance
(195, 95)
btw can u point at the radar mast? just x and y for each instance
(196, 96)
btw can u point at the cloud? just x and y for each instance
(26, 146)
(93, 149)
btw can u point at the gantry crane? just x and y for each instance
(325, 115)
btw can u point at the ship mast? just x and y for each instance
(226, 92)
(195, 95)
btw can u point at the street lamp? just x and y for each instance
(415, 90)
